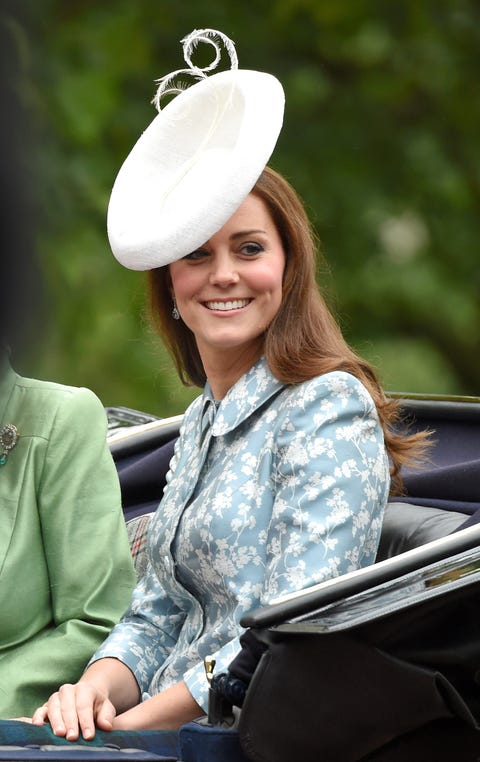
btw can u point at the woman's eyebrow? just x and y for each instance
(243, 233)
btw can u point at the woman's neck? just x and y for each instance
(223, 369)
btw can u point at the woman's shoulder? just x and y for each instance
(338, 386)
(335, 406)
(56, 393)
(39, 402)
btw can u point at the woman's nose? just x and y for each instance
(224, 271)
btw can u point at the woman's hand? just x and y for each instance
(107, 686)
(80, 708)
(75, 709)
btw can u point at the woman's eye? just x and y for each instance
(250, 249)
(196, 255)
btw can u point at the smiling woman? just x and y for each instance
(281, 472)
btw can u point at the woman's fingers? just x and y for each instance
(51, 712)
(62, 712)
(40, 715)
(75, 709)
(106, 715)
(90, 705)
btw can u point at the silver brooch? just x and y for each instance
(8, 440)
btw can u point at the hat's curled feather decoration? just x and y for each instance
(170, 84)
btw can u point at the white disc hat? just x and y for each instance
(196, 162)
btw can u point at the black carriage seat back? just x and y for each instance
(407, 526)
(444, 496)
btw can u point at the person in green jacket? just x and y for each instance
(66, 572)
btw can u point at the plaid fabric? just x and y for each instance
(40, 739)
(137, 530)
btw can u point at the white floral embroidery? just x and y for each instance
(281, 488)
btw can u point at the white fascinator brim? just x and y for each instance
(193, 166)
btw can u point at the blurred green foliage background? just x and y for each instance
(381, 139)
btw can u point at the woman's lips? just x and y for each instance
(228, 305)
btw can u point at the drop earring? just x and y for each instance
(175, 312)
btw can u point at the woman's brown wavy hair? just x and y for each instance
(303, 340)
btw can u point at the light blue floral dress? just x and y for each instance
(275, 489)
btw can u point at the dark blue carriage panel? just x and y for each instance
(203, 743)
(451, 478)
(143, 477)
(142, 460)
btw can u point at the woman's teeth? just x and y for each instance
(235, 304)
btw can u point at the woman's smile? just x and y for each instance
(230, 305)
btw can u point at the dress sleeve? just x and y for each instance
(87, 553)
(147, 633)
(330, 481)
(150, 626)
